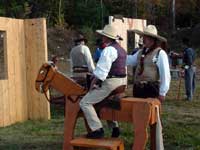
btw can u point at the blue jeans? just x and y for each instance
(190, 82)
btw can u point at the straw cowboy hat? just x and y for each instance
(151, 31)
(110, 32)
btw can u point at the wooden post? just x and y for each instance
(71, 114)
(141, 117)
(36, 54)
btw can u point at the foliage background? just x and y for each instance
(88, 12)
(89, 15)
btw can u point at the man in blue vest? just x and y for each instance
(111, 72)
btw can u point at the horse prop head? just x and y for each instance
(45, 76)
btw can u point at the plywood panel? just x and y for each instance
(14, 87)
(2, 85)
(19, 69)
(11, 72)
(26, 50)
(4, 81)
(36, 54)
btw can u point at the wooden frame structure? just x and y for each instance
(25, 49)
(127, 24)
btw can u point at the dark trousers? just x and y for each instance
(146, 90)
(190, 82)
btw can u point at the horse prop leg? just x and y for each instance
(141, 117)
(71, 114)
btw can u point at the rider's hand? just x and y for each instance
(93, 83)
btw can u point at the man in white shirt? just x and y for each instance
(81, 59)
(152, 76)
(110, 71)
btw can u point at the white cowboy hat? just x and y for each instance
(151, 31)
(109, 31)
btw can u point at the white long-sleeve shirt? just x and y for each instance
(108, 56)
(163, 67)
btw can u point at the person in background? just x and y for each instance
(189, 68)
(140, 46)
(110, 73)
(152, 76)
(82, 64)
(81, 59)
(100, 46)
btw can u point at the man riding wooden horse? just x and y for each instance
(110, 73)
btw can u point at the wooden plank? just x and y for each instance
(20, 72)
(1, 89)
(14, 50)
(28, 67)
(2, 81)
(36, 54)
(107, 143)
(31, 47)
(1, 105)
(22, 56)
(11, 73)
(6, 81)
(35, 40)
(42, 56)
(6, 87)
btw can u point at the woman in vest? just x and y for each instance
(152, 76)
(110, 71)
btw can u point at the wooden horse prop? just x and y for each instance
(140, 112)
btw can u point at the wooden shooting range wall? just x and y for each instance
(24, 49)
(123, 25)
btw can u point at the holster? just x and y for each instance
(146, 89)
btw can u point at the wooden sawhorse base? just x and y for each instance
(106, 143)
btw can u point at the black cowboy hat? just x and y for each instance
(80, 38)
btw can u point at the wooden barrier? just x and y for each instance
(24, 48)
(127, 24)
(36, 53)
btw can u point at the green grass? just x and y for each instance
(181, 129)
